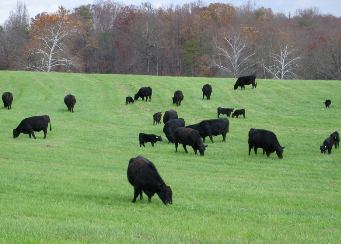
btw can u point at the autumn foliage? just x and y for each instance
(215, 40)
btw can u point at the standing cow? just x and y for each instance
(170, 126)
(143, 138)
(178, 97)
(226, 111)
(245, 80)
(7, 98)
(327, 145)
(206, 91)
(188, 136)
(144, 92)
(35, 123)
(212, 127)
(238, 112)
(327, 103)
(260, 138)
(170, 114)
(70, 102)
(129, 99)
(143, 175)
(336, 138)
(157, 118)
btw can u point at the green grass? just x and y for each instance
(72, 187)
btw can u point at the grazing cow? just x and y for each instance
(226, 111)
(143, 175)
(148, 138)
(157, 118)
(259, 138)
(35, 123)
(206, 91)
(188, 136)
(129, 99)
(327, 145)
(178, 97)
(212, 127)
(7, 98)
(336, 138)
(239, 112)
(170, 114)
(245, 80)
(70, 102)
(170, 126)
(144, 92)
(327, 103)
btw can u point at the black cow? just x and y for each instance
(170, 126)
(148, 138)
(143, 175)
(188, 136)
(35, 123)
(245, 80)
(70, 102)
(212, 127)
(336, 138)
(144, 92)
(7, 98)
(170, 114)
(327, 103)
(260, 138)
(327, 145)
(206, 91)
(157, 118)
(238, 112)
(226, 111)
(178, 97)
(129, 99)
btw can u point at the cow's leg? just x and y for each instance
(32, 134)
(152, 143)
(184, 145)
(250, 147)
(45, 131)
(256, 150)
(329, 150)
(211, 138)
(140, 143)
(267, 153)
(137, 192)
(176, 146)
(224, 136)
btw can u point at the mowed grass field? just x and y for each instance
(72, 187)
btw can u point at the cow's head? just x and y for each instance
(136, 96)
(158, 138)
(279, 151)
(323, 148)
(15, 133)
(235, 86)
(165, 194)
(202, 149)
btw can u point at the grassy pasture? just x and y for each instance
(72, 187)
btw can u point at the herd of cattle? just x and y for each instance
(142, 173)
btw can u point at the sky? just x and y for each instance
(283, 6)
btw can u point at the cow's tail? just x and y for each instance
(50, 126)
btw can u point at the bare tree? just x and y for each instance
(48, 48)
(283, 64)
(233, 54)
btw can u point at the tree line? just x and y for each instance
(195, 39)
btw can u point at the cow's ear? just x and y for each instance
(161, 187)
(283, 148)
(205, 145)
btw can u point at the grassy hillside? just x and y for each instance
(72, 187)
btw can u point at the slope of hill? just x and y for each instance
(72, 187)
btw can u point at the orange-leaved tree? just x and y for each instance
(49, 45)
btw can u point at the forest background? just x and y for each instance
(195, 39)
